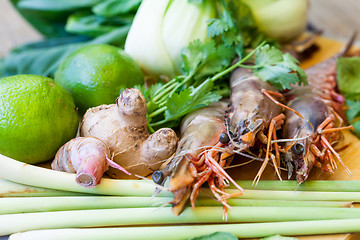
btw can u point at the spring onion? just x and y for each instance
(161, 28)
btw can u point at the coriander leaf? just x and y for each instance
(279, 69)
(216, 27)
(196, 53)
(216, 236)
(215, 62)
(205, 59)
(293, 64)
(188, 100)
(278, 76)
(196, 1)
(185, 102)
(268, 55)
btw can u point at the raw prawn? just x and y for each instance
(197, 159)
(315, 133)
(254, 116)
(88, 157)
(322, 110)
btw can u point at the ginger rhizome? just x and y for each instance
(123, 127)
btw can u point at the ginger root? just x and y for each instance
(123, 127)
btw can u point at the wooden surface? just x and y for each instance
(338, 19)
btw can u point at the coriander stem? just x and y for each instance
(229, 69)
(160, 91)
(250, 67)
(157, 112)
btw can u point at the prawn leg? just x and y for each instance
(272, 130)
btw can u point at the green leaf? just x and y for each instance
(196, 53)
(353, 111)
(279, 69)
(188, 100)
(85, 23)
(217, 236)
(112, 8)
(216, 27)
(348, 75)
(198, 2)
(278, 76)
(206, 59)
(268, 55)
(56, 5)
(44, 59)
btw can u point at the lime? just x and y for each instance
(95, 75)
(37, 116)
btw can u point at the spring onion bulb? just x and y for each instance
(161, 29)
(280, 19)
(242, 230)
(148, 216)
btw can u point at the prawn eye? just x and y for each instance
(224, 138)
(158, 177)
(298, 148)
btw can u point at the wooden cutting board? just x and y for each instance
(350, 155)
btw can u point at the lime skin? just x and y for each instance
(96, 74)
(37, 116)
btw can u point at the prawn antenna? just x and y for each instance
(162, 188)
(290, 139)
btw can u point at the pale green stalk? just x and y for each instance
(12, 189)
(12, 223)
(28, 174)
(298, 195)
(41, 177)
(292, 185)
(49, 204)
(243, 230)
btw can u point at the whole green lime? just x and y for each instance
(95, 75)
(37, 116)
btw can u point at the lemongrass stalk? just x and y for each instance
(49, 204)
(11, 189)
(292, 185)
(28, 174)
(13, 223)
(242, 230)
(274, 203)
(292, 195)
(45, 178)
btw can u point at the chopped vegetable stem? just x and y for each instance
(242, 230)
(292, 185)
(145, 216)
(49, 204)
